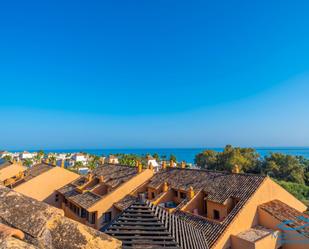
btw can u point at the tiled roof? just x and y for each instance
(113, 176)
(143, 225)
(125, 202)
(284, 212)
(4, 164)
(46, 227)
(255, 233)
(217, 186)
(34, 171)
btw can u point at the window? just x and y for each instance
(107, 217)
(216, 215)
(183, 195)
(91, 218)
(83, 213)
(153, 195)
(56, 198)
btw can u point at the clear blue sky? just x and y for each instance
(107, 74)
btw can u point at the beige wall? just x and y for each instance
(106, 204)
(43, 187)
(165, 197)
(248, 217)
(10, 171)
(211, 206)
(197, 203)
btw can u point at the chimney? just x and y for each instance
(165, 187)
(89, 177)
(171, 163)
(150, 166)
(191, 193)
(101, 178)
(163, 165)
(139, 167)
(236, 169)
(183, 165)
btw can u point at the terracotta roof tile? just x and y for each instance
(284, 212)
(46, 227)
(143, 225)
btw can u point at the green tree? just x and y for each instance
(156, 156)
(247, 159)
(78, 165)
(284, 167)
(52, 159)
(93, 162)
(41, 154)
(173, 157)
(28, 162)
(129, 159)
(8, 158)
(207, 159)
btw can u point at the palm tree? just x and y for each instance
(93, 162)
(41, 154)
(52, 159)
(28, 162)
(78, 165)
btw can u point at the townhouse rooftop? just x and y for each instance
(219, 186)
(214, 186)
(103, 179)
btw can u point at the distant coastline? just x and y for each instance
(186, 154)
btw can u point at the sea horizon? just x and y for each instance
(182, 154)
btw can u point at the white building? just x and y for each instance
(25, 155)
(4, 153)
(154, 163)
(112, 159)
(79, 157)
(61, 156)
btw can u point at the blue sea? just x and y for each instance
(187, 154)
